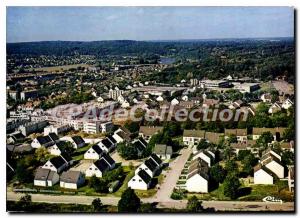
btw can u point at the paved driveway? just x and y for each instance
(172, 175)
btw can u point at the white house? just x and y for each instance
(77, 141)
(206, 155)
(274, 108)
(274, 165)
(140, 145)
(44, 141)
(266, 98)
(93, 153)
(163, 151)
(174, 102)
(71, 179)
(106, 145)
(149, 166)
(45, 177)
(56, 149)
(121, 135)
(287, 104)
(192, 137)
(141, 181)
(97, 168)
(197, 181)
(159, 99)
(185, 98)
(58, 163)
(263, 175)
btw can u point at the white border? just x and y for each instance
(4, 3)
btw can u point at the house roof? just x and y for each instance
(156, 158)
(194, 133)
(268, 158)
(124, 136)
(160, 149)
(108, 144)
(260, 166)
(139, 145)
(108, 159)
(43, 139)
(151, 164)
(97, 149)
(213, 137)
(144, 176)
(150, 130)
(236, 132)
(17, 136)
(102, 165)
(199, 172)
(53, 136)
(70, 176)
(77, 140)
(57, 161)
(112, 139)
(259, 131)
(42, 174)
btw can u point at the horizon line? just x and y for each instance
(158, 40)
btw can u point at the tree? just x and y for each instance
(217, 173)
(231, 166)
(129, 201)
(41, 154)
(97, 204)
(203, 144)
(98, 184)
(194, 205)
(23, 174)
(127, 151)
(264, 139)
(248, 163)
(132, 126)
(231, 186)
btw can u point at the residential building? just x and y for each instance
(192, 137)
(93, 153)
(214, 84)
(197, 178)
(44, 141)
(276, 132)
(97, 168)
(45, 178)
(58, 163)
(32, 127)
(291, 178)
(148, 131)
(57, 129)
(287, 104)
(140, 181)
(206, 155)
(163, 151)
(240, 134)
(71, 180)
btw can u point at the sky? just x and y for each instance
(146, 23)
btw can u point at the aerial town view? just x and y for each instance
(150, 109)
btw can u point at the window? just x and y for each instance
(133, 180)
(91, 168)
(140, 180)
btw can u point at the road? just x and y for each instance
(172, 176)
(162, 196)
(218, 205)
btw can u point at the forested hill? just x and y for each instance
(189, 48)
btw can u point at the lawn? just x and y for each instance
(250, 193)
